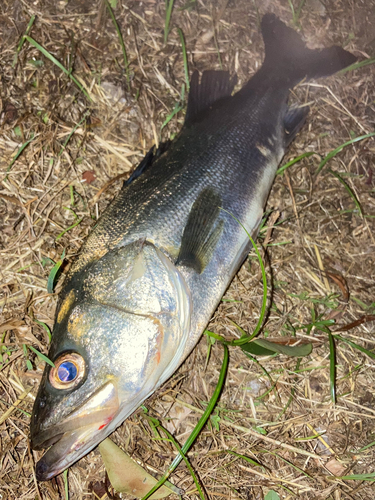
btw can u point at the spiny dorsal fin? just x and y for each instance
(201, 234)
(147, 161)
(293, 122)
(214, 85)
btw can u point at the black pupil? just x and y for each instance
(67, 371)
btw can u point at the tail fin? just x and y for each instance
(288, 58)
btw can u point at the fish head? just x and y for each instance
(120, 331)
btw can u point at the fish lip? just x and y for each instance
(68, 448)
(78, 433)
(42, 441)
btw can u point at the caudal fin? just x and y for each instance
(288, 58)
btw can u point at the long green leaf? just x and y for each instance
(245, 339)
(184, 55)
(41, 356)
(244, 457)
(297, 351)
(123, 48)
(340, 148)
(46, 328)
(202, 421)
(69, 228)
(57, 63)
(53, 274)
(256, 349)
(22, 40)
(296, 160)
(168, 14)
(358, 477)
(187, 463)
(355, 346)
(349, 190)
(357, 65)
(21, 148)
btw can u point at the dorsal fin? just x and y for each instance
(152, 155)
(214, 85)
(201, 234)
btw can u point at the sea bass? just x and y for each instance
(156, 265)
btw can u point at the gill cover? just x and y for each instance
(142, 286)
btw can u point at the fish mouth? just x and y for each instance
(77, 434)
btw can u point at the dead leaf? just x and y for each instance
(12, 324)
(126, 475)
(335, 467)
(341, 283)
(88, 176)
(360, 321)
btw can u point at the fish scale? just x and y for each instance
(157, 263)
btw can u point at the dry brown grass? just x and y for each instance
(324, 234)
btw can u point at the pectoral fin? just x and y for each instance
(202, 231)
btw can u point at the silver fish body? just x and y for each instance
(155, 267)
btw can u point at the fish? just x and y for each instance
(156, 265)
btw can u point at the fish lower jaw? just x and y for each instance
(68, 448)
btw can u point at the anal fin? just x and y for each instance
(202, 231)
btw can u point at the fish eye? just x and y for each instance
(68, 371)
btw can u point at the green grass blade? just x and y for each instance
(340, 148)
(19, 152)
(46, 328)
(41, 356)
(215, 336)
(358, 477)
(349, 190)
(21, 42)
(299, 10)
(296, 160)
(332, 367)
(292, 392)
(168, 14)
(357, 65)
(301, 471)
(370, 445)
(69, 228)
(247, 459)
(121, 40)
(244, 340)
(53, 274)
(66, 484)
(184, 54)
(355, 346)
(292, 9)
(28, 362)
(72, 132)
(58, 64)
(202, 421)
(177, 108)
(188, 465)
